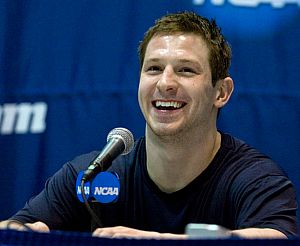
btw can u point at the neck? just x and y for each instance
(173, 162)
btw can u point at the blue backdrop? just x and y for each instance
(69, 74)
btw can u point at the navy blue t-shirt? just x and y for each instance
(241, 188)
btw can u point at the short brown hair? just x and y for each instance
(189, 22)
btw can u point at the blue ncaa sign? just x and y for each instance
(250, 19)
(106, 187)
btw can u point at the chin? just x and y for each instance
(165, 131)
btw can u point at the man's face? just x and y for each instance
(175, 90)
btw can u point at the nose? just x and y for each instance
(168, 80)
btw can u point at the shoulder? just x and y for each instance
(247, 159)
(247, 169)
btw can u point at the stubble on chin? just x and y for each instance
(167, 135)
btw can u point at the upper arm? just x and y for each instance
(267, 202)
(57, 204)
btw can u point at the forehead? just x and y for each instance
(177, 45)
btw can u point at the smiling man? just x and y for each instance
(180, 105)
(184, 170)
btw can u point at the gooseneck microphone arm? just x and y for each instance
(112, 149)
(120, 141)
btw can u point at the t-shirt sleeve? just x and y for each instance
(57, 205)
(265, 199)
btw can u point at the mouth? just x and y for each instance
(168, 105)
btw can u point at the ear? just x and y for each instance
(224, 90)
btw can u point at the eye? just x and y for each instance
(187, 71)
(153, 69)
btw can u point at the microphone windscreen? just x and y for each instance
(125, 135)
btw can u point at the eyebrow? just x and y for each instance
(179, 60)
(152, 60)
(189, 61)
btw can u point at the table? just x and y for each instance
(20, 238)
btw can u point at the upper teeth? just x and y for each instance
(168, 104)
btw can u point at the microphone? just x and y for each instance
(120, 141)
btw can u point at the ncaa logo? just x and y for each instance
(251, 3)
(106, 187)
(250, 19)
